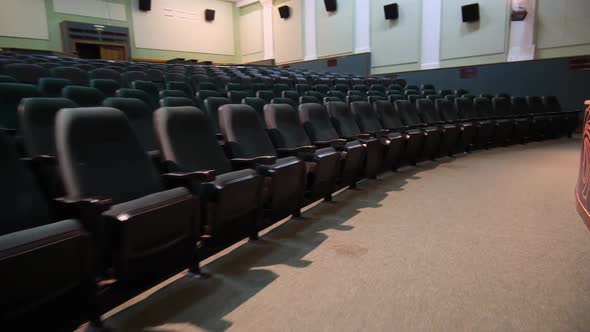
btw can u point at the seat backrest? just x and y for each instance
(535, 104)
(461, 92)
(446, 110)
(10, 97)
(182, 86)
(172, 93)
(341, 88)
(37, 123)
(129, 76)
(427, 87)
(519, 106)
(330, 99)
(258, 105)
(552, 104)
(354, 98)
(134, 93)
(343, 119)
(291, 94)
(378, 87)
(338, 94)
(175, 101)
(140, 117)
(108, 87)
(174, 77)
(501, 106)
(7, 79)
(103, 73)
(267, 95)
(236, 96)
(100, 155)
(365, 116)
(466, 108)
(25, 73)
(285, 131)
(360, 87)
(23, 204)
(308, 99)
(151, 89)
(427, 111)
(76, 75)
(51, 86)
(408, 113)
(84, 96)
(302, 88)
(487, 95)
(388, 114)
(187, 140)
(428, 92)
(202, 95)
(483, 107)
(323, 88)
(412, 87)
(244, 134)
(212, 105)
(443, 93)
(316, 122)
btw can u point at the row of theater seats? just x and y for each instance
(131, 189)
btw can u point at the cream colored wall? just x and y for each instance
(251, 33)
(470, 43)
(288, 33)
(395, 44)
(562, 28)
(335, 30)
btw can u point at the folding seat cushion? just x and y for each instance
(308, 99)
(182, 86)
(343, 88)
(267, 95)
(449, 114)
(236, 96)
(151, 231)
(231, 200)
(427, 87)
(258, 105)
(172, 93)
(32, 239)
(176, 101)
(10, 97)
(484, 128)
(544, 125)
(302, 88)
(202, 95)
(250, 147)
(345, 125)
(318, 126)
(75, 75)
(51, 87)
(290, 139)
(7, 79)
(129, 76)
(570, 119)
(449, 132)
(25, 73)
(520, 126)
(151, 90)
(212, 105)
(140, 116)
(108, 87)
(83, 96)
(410, 117)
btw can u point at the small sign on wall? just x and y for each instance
(468, 72)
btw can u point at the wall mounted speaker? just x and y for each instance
(331, 5)
(285, 11)
(470, 12)
(209, 15)
(391, 11)
(145, 5)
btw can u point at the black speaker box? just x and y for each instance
(209, 15)
(470, 12)
(391, 11)
(285, 11)
(331, 5)
(145, 5)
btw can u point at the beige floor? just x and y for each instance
(486, 242)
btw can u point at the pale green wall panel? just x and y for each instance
(486, 37)
(288, 33)
(395, 44)
(335, 30)
(251, 33)
(562, 28)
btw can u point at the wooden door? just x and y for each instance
(112, 52)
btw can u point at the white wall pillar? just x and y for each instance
(362, 26)
(267, 8)
(431, 19)
(521, 45)
(310, 48)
